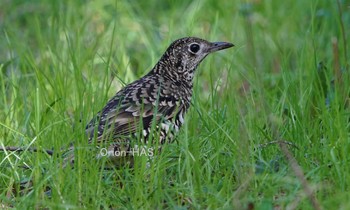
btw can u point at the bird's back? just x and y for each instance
(130, 113)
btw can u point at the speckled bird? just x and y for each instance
(153, 108)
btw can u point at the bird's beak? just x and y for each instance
(216, 46)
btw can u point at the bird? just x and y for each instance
(152, 109)
(148, 111)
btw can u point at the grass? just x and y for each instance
(61, 61)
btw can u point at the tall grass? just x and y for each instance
(61, 61)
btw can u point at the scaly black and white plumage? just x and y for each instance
(161, 98)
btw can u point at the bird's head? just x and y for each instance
(184, 55)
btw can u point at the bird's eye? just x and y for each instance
(194, 48)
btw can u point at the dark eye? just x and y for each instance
(194, 48)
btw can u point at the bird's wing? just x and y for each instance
(130, 111)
